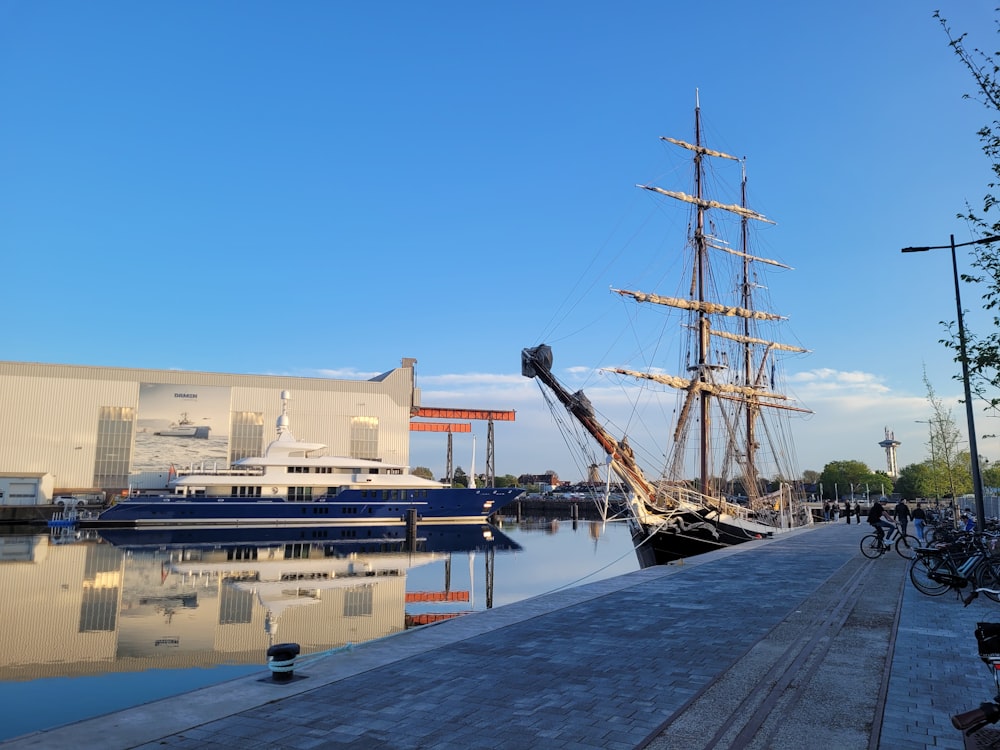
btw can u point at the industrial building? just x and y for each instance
(96, 431)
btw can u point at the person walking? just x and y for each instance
(902, 515)
(847, 511)
(857, 512)
(826, 510)
(919, 516)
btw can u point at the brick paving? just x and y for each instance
(820, 645)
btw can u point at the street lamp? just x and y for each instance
(977, 478)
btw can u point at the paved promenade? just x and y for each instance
(798, 642)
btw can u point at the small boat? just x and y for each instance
(184, 427)
(725, 472)
(296, 483)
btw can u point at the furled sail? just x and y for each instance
(713, 308)
(752, 340)
(698, 385)
(697, 149)
(705, 203)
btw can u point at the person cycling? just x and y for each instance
(880, 520)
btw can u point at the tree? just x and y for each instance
(810, 476)
(460, 479)
(983, 351)
(991, 476)
(917, 480)
(423, 472)
(839, 476)
(507, 480)
(949, 465)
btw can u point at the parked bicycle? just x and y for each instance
(970, 722)
(875, 545)
(966, 562)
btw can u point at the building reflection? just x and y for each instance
(128, 601)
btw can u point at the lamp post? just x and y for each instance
(977, 478)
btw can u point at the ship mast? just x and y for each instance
(751, 411)
(701, 259)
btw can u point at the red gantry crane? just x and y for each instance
(489, 415)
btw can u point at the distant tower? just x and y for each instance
(890, 444)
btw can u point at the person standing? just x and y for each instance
(919, 516)
(857, 512)
(902, 516)
(968, 520)
(826, 510)
(847, 511)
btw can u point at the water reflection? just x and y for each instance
(139, 615)
(131, 600)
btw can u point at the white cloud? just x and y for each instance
(825, 380)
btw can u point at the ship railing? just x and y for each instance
(778, 508)
(772, 505)
(671, 497)
(220, 472)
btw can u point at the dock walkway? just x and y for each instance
(788, 643)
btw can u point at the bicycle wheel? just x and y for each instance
(920, 574)
(871, 548)
(987, 576)
(906, 546)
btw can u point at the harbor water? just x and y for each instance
(94, 624)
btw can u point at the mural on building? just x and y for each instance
(180, 426)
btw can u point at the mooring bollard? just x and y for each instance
(281, 661)
(411, 529)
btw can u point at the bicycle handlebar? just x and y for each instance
(977, 718)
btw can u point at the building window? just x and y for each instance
(300, 494)
(246, 435)
(359, 601)
(101, 595)
(235, 606)
(295, 552)
(115, 425)
(364, 437)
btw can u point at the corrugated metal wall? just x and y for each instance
(49, 422)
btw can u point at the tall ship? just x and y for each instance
(718, 467)
(297, 482)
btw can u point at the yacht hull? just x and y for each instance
(350, 538)
(357, 507)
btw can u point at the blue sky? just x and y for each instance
(323, 188)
